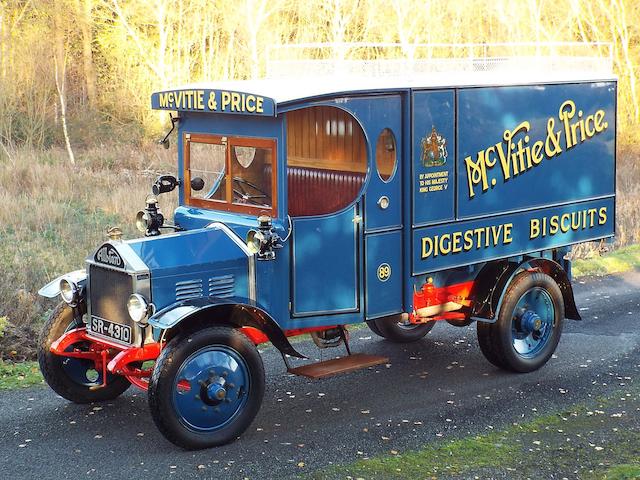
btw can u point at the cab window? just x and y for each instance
(326, 160)
(230, 173)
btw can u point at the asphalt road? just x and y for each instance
(431, 390)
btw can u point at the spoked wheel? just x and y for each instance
(529, 324)
(75, 379)
(397, 331)
(206, 387)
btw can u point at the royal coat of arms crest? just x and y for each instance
(434, 149)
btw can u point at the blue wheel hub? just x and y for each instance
(211, 388)
(532, 322)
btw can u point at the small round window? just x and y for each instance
(386, 155)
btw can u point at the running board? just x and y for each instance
(335, 366)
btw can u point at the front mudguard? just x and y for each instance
(52, 289)
(237, 311)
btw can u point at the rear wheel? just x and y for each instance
(75, 379)
(206, 387)
(528, 327)
(401, 332)
(374, 328)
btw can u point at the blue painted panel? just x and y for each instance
(547, 166)
(272, 295)
(325, 264)
(433, 156)
(163, 287)
(464, 243)
(191, 256)
(213, 101)
(187, 250)
(383, 272)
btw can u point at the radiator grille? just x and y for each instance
(109, 290)
(222, 286)
(188, 289)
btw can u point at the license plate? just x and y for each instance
(117, 331)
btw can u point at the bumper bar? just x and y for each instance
(108, 356)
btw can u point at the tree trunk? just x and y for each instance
(84, 9)
(59, 64)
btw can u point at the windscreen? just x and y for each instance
(230, 173)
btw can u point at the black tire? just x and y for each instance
(164, 385)
(374, 328)
(56, 370)
(398, 332)
(497, 341)
(487, 341)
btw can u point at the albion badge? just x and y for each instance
(109, 256)
(434, 149)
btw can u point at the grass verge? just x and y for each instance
(17, 375)
(595, 440)
(620, 260)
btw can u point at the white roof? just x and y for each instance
(290, 80)
(286, 90)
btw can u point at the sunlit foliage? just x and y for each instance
(113, 53)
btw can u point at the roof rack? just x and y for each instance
(393, 60)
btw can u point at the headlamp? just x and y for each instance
(255, 241)
(150, 220)
(142, 221)
(138, 309)
(263, 241)
(69, 292)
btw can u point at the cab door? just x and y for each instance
(326, 174)
(326, 264)
(335, 254)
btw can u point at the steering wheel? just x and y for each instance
(247, 192)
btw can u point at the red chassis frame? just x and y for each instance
(110, 357)
(126, 361)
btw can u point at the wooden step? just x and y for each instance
(335, 366)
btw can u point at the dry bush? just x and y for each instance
(54, 215)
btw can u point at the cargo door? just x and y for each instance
(383, 209)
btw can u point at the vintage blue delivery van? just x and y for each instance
(306, 206)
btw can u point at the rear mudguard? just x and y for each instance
(236, 311)
(491, 282)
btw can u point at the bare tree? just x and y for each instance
(84, 13)
(60, 63)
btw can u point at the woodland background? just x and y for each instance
(87, 68)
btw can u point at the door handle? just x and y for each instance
(357, 219)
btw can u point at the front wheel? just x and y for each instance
(529, 324)
(206, 387)
(76, 379)
(397, 331)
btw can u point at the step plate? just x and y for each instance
(336, 366)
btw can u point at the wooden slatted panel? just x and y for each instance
(327, 138)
